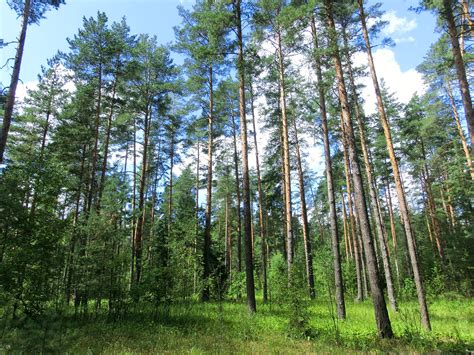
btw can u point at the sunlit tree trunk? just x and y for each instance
(7, 115)
(396, 174)
(381, 314)
(340, 303)
(263, 232)
(237, 192)
(250, 283)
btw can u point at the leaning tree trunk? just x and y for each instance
(379, 224)
(340, 304)
(459, 64)
(263, 232)
(7, 116)
(381, 314)
(250, 283)
(396, 174)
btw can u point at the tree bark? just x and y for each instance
(447, 13)
(286, 156)
(304, 215)
(340, 304)
(237, 192)
(250, 283)
(380, 308)
(396, 174)
(263, 232)
(207, 226)
(7, 117)
(465, 146)
(379, 224)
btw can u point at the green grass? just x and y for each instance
(227, 328)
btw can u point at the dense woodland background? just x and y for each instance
(132, 186)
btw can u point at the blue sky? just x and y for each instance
(416, 31)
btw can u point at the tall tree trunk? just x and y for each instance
(263, 232)
(381, 314)
(340, 304)
(396, 174)
(346, 227)
(196, 236)
(374, 200)
(228, 237)
(207, 227)
(7, 116)
(134, 202)
(95, 151)
(106, 144)
(237, 192)
(170, 196)
(447, 13)
(304, 215)
(245, 166)
(141, 198)
(465, 146)
(286, 156)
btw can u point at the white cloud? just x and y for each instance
(403, 83)
(22, 90)
(397, 24)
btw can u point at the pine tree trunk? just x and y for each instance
(141, 198)
(340, 304)
(465, 146)
(106, 144)
(398, 183)
(170, 196)
(286, 157)
(393, 231)
(207, 227)
(196, 236)
(447, 13)
(237, 192)
(245, 166)
(345, 225)
(380, 308)
(374, 200)
(7, 116)
(304, 215)
(263, 232)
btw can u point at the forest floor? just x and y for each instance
(228, 328)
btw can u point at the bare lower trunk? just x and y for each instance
(379, 224)
(380, 308)
(286, 157)
(245, 167)
(340, 304)
(237, 192)
(396, 174)
(263, 232)
(304, 215)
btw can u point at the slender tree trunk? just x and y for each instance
(196, 236)
(134, 203)
(7, 116)
(106, 144)
(237, 192)
(344, 223)
(304, 215)
(379, 224)
(95, 151)
(393, 232)
(228, 242)
(286, 157)
(465, 146)
(141, 198)
(340, 304)
(447, 13)
(207, 228)
(380, 308)
(170, 196)
(245, 166)
(396, 174)
(263, 232)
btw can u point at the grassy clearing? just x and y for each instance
(227, 328)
